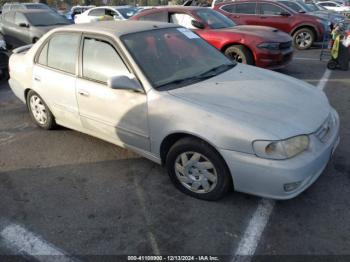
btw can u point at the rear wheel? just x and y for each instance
(39, 111)
(198, 170)
(240, 54)
(303, 38)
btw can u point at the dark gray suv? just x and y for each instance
(23, 6)
(27, 26)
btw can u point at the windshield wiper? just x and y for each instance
(217, 70)
(207, 74)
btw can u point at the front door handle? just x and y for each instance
(236, 16)
(83, 93)
(37, 78)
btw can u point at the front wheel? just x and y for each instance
(303, 39)
(39, 111)
(198, 170)
(240, 54)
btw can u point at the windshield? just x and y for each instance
(175, 57)
(305, 6)
(214, 19)
(128, 12)
(312, 6)
(46, 19)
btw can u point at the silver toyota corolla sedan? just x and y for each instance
(165, 93)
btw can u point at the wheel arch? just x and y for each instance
(171, 139)
(227, 45)
(26, 91)
(311, 27)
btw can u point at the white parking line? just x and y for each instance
(256, 226)
(260, 218)
(322, 83)
(306, 59)
(26, 243)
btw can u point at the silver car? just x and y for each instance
(165, 93)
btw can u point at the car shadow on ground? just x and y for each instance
(103, 207)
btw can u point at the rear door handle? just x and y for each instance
(263, 17)
(236, 16)
(83, 93)
(37, 78)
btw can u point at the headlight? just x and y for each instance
(270, 46)
(282, 149)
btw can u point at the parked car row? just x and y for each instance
(23, 27)
(247, 31)
(254, 45)
(99, 13)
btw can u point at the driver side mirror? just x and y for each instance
(123, 82)
(23, 25)
(116, 17)
(284, 13)
(197, 24)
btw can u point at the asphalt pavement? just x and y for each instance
(84, 196)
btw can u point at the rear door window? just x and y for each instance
(270, 9)
(246, 8)
(97, 12)
(9, 17)
(62, 52)
(229, 8)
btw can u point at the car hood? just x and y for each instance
(328, 15)
(264, 32)
(274, 103)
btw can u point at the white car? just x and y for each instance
(100, 13)
(334, 6)
(162, 91)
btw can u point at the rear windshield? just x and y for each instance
(35, 6)
(46, 19)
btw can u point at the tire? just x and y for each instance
(208, 178)
(240, 54)
(303, 39)
(37, 107)
(332, 65)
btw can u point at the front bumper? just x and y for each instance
(273, 59)
(267, 178)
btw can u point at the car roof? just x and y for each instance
(117, 28)
(30, 11)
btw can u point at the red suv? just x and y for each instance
(254, 45)
(305, 29)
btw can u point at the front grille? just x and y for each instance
(325, 130)
(286, 45)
